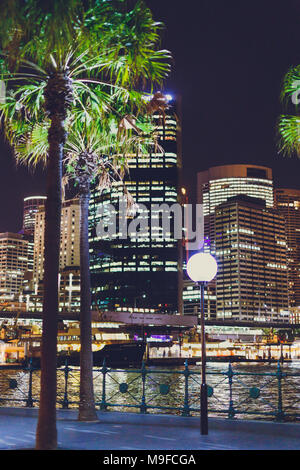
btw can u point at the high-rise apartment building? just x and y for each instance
(30, 208)
(69, 239)
(13, 265)
(251, 250)
(287, 202)
(143, 273)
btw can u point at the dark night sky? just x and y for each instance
(230, 58)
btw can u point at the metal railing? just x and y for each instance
(232, 393)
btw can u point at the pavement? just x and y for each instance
(132, 431)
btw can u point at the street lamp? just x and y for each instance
(202, 268)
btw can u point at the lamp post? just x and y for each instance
(202, 268)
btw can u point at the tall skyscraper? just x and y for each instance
(251, 251)
(69, 240)
(287, 202)
(215, 186)
(31, 207)
(69, 259)
(143, 273)
(13, 265)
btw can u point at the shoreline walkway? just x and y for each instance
(132, 431)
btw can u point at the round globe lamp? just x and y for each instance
(202, 268)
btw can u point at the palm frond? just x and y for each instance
(291, 83)
(289, 134)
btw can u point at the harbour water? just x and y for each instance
(256, 391)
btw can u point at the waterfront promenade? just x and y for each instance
(132, 431)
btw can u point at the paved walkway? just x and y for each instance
(130, 431)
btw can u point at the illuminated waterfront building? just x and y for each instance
(287, 202)
(251, 250)
(13, 265)
(141, 273)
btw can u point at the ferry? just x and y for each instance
(109, 344)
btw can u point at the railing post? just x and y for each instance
(29, 401)
(280, 412)
(230, 374)
(103, 405)
(186, 373)
(143, 407)
(65, 403)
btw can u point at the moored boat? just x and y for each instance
(114, 347)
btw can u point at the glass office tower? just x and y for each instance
(141, 273)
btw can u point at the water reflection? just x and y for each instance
(256, 396)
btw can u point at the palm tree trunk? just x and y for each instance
(87, 410)
(58, 97)
(46, 435)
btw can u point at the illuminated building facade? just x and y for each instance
(69, 240)
(31, 206)
(251, 250)
(294, 315)
(191, 299)
(69, 291)
(141, 273)
(13, 265)
(287, 202)
(69, 288)
(219, 183)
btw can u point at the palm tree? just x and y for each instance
(18, 46)
(84, 172)
(37, 37)
(96, 149)
(289, 124)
